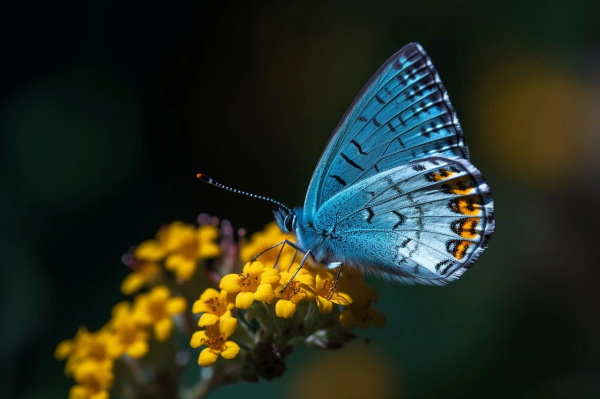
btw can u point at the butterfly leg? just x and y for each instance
(282, 243)
(306, 255)
(337, 276)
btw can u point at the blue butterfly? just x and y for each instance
(394, 192)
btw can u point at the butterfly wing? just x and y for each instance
(402, 113)
(423, 222)
(394, 190)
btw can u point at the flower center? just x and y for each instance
(249, 282)
(189, 248)
(128, 333)
(293, 291)
(327, 289)
(213, 304)
(157, 310)
(215, 343)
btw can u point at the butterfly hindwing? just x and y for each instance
(403, 113)
(422, 222)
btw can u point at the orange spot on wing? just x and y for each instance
(463, 186)
(458, 248)
(441, 174)
(466, 228)
(470, 206)
(461, 249)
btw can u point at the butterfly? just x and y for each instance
(394, 192)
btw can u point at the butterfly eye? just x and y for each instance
(289, 222)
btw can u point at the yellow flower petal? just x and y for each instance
(200, 305)
(285, 309)
(197, 339)
(176, 305)
(151, 250)
(231, 283)
(270, 276)
(341, 298)
(255, 267)
(162, 329)
(208, 319)
(79, 392)
(132, 283)
(99, 395)
(244, 300)
(183, 267)
(209, 250)
(227, 326)
(305, 278)
(347, 319)
(208, 357)
(325, 306)
(208, 233)
(264, 293)
(231, 350)
(64, 349)
(137, 349)
(160, 292)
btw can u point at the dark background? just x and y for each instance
(108, 110)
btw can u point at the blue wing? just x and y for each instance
(403, 113)
(424, 222)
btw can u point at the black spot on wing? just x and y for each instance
(401, 220)
(358, 147)
(392, 129)
(371, 214)
(444, 266)
(379, 99)
(339, 180)
(351, 162)
(402, 121)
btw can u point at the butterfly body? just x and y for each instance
(394, 192)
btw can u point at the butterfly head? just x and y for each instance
(286, 219)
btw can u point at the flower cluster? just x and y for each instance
(251, 313)
(90, 357)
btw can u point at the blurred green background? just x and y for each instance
(109, 109)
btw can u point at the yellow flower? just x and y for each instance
(254, 283)
(299, 289)
(214, 305)
(262, 240)
(156, 308)
(94, 380)
(188, 244)
(87, 346)
(360, 311)
(146, 272)
(157, 249)
(215, 338)
(128, 335)
(324, 286)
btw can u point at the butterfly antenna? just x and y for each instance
(215, 183)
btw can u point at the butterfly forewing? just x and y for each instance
(402, 114)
